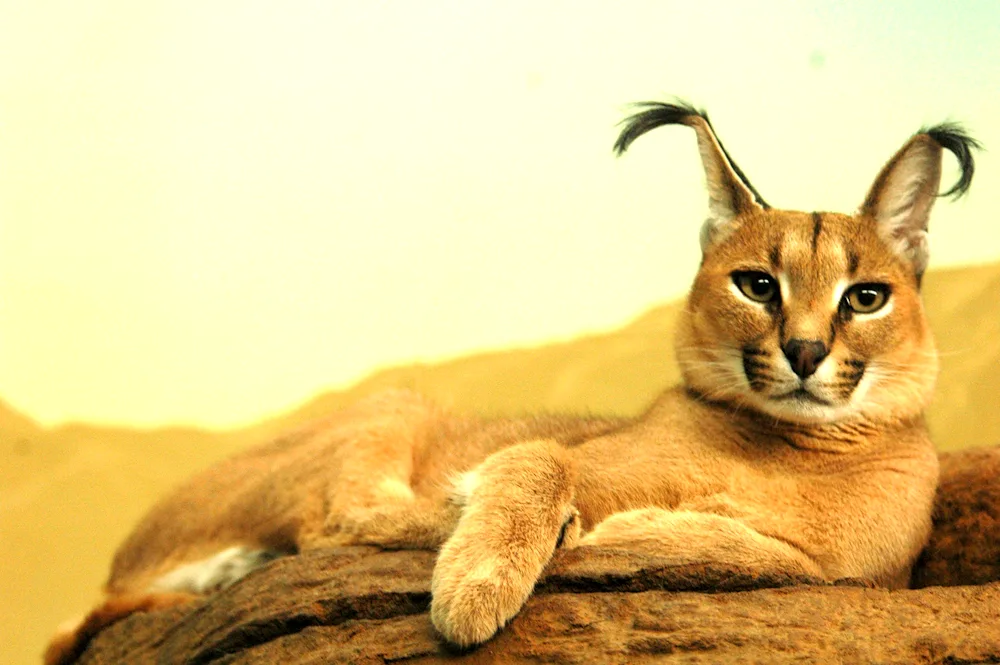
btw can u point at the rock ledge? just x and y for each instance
(363, 605)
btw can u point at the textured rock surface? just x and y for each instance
(360, 605)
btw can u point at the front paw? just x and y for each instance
(511, 521)
(484, 575)
(476, 594)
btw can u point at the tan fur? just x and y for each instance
(831, 475)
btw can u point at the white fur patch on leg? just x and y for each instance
(216, 572)
(484, 570)
(463, 485)
(395, 489)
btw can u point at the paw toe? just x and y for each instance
(473, 608)
(471, 615)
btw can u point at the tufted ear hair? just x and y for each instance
(730, 194)
(901, 198)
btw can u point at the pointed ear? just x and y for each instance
(730, 194)
(901, 198)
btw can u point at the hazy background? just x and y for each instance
(213, 213)
(212, 210)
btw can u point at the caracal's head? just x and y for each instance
(812, 317)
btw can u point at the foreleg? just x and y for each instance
(517, 504)
(705, 538)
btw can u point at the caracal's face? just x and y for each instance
(808, 317)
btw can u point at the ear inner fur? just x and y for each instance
(901, 198)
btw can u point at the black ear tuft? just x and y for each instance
(657, 114)
(952, 137)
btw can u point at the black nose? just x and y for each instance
(804, 355)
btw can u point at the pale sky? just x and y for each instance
(211, 211)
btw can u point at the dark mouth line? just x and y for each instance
(801, 394)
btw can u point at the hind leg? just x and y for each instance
(183, 584)
(420, 523)
(369, 498)
(216, 572)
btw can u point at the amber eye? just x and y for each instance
(866, 298)
(757, 286)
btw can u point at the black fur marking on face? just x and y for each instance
(853, 260)
(775, 309)
(754, 351)
(756, 377)
(775, 258)
(756, 371)
(844, 313)
(817, 227)
(851, 378)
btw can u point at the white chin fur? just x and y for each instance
(803, 410)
